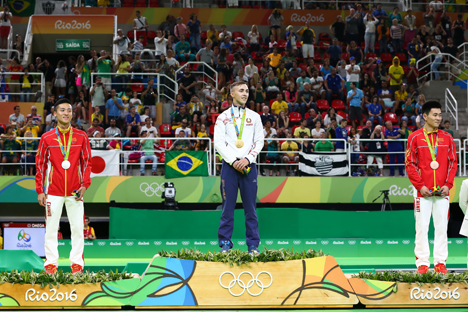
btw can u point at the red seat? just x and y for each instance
(128, 4)
(3, 126)
(294, 128)
(140, 3)
(138, 87)
(323, 45)
(257, 56)
(324, 37)
(259, 66)
(342, 114)
(338, 105)
(151, 34)
(370, 54)
(281, 44)
(272, 101)
(344, 56)
(306, 115)
(391, 117)
(203, 35)
(165, 143)
(212, 129)
(402, 57)
(295, 117)
(323, 105)
(348, 127)
(246, 6)
(386, 57)
(302, 66)
(359, 128)
(412, 128)
(165, 129)
(148, 161)
(238, 34)
(154, 3)
(133, 161)
(324, 114)
(258, 7)
(317, 57)
(162, 158)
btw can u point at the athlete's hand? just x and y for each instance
(81, 190)
(425, 191)
(42, 199)
(241, 164)
(444, 191)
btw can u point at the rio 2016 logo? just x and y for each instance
(23, 236)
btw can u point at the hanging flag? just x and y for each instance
(186, 163)
(104, 163)
(323, 164)
(22, 7)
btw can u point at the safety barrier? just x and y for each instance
(164, 143)
(28, 94)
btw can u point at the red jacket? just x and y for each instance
(51, 178)
(418, 159)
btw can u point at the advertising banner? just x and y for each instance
(129, 189)
(72, 24)
(24, 236)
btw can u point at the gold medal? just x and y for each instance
(239, 143)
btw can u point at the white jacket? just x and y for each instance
(225, 135)
(463, 202)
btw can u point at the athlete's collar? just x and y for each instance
(430, 132)
(64, 131)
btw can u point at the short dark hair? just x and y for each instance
(86, 218)
(302, 120)
(14, 108)
(62, 101)
(95, 119)
(333, 118)
(426, 109)
(352, 83)
(446, 121)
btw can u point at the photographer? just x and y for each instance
(149, 98)
(5, 17)
(149, 128)
(123, 44)
(99, 95)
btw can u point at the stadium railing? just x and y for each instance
(159, 150)
(203, 72)
(42, 84)
(425, 65)
(161, 143)
(463, 48)
(27, 43)
(140, 86)
(451, 106)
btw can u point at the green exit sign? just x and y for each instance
(72, 45)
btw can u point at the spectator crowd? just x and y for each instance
(357, 82)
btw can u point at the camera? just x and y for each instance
(99, 83)
(169, 196)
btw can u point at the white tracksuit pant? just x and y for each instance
(75, 213)
(424, 207)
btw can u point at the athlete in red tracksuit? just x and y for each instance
(432, 175)
(57, 180)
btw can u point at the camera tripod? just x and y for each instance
(385, 201)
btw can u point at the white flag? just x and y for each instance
(323, 164)
(104, 163)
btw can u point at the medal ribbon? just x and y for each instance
(432, 149)
(239, 133)
(66, 153)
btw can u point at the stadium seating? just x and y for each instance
(323, 105)
(338, 105)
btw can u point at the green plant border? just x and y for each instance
(430, 277)
(60, 278)
(236, 256)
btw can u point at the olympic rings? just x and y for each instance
(151, 189)
(242, 285)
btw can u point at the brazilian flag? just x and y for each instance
(186, 163)
(22, 7)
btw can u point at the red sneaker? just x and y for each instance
(76, 268)
(50, 268)
(441, 268)
(423, 269)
